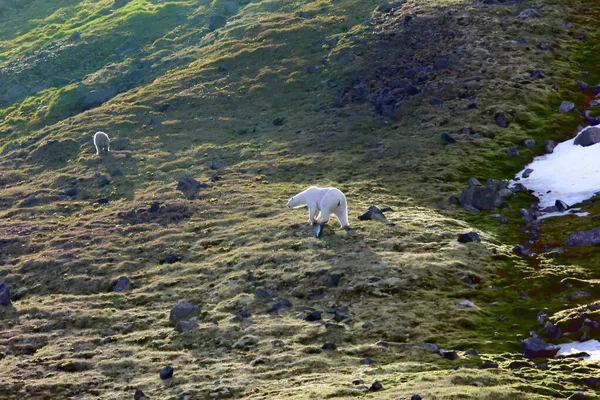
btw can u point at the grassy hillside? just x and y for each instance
(258, 100)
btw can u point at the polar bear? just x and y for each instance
(326, 201)
(101, 141)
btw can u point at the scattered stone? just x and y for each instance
(436, 102)
(216, 21)
(313, 316)
(101, 201)
(527, 173)
(183, 310)
(4, 295)
(30, 200)
(280, 305)
(566, 106)
(552, 330)
(465, 303)
(561, 205)
(317, 231)
(376, 386)
(588, 137)
(543, 46)
(584, 237)
(222, 69)
(331, 83)
(383, 344)
(529, 142)
(119, 144)
(469, 237)
(305, 15)
(535, 347)
(481, 198)
(154, 207)
(329, 346)
(549, 147)
(501, 218)
(186, 326)
(367, 325)
(542, 317)
(166, 372)
(488, 366)
(75, 36)
(313, 69)
(122, 284)
(263, 293)
(522, 251)
(278, 343)
(527, 13)
(372, 213)
(366, 361)
(448, 354)
(582, 85)
(242, 314)
(579, 295)
(333, 280)
(138, 394)
(501, 120)
(70, 192)
(447, 138)
(537, 74)
(358, 382)
(190, 187)
(471, 352)
(416, 397)
(170, 259)
(512, 151)
(472, 182)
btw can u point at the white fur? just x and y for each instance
(326, 201)
(102, 142)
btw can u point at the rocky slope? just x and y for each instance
(396, 104)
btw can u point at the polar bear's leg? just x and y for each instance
(342, 214)
(312, 212)
(326, 213)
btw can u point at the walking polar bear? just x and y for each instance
(102, 142)
(326, 201)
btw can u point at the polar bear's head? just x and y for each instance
(295, 202)
(291, 203)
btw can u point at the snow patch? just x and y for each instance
(571, 174)
(591, 347)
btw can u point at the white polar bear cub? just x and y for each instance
(102, 142)
(327, 201)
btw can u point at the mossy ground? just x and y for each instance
(253, 125)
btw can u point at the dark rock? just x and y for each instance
(522, 251)
(166, 372)
(216, 21)
(313, 316)
(550, 209)
(138, 394)
(4, 295)
(588, 137)
(367, 325)
(372, 213)
(218, 164)
(549, 147)
(313, 69)
(488, 366)
(366, 361)
(527, 13)
(183, 310)
(186, 326)
(543, 46)
(579, 295)
(584, 237)
(306, 15)
(449, 354)
(155, 121)
(280, 305)
(329, 346)
(542, 317)
(416, 397)
(561, 205)
(98, 97)
(222, 69)
(431, 347)
(70, 192)
(101, 201)
(447, 138)
(383, 344)
(501, 120)
(501, 218)
(526, 173)
(469, 237)
(154, 207)
(566, 106)
(512, 151)
(119, 144)
(339, 315)
(471, 106)
(170, 259)
(278, 343)
(121, 284)
(263, 293)
(29, 201)
(190, 187)
(436, 102)
(454, 200)
(242, 314)
(481, 198)
(552, 330)
(331, 83)
(582, 85)
(75, 36)
(317, 231)
(519, 365)
(465, 303)
(535, 347)
(358, 382)
(472, 182)
(471, 352)
(537, 74)
(333, 280)
(376, 386)
(578, 396)
(529, 142)
(528, 215)
(384, 7)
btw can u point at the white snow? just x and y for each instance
(591, 347)
(571, 173)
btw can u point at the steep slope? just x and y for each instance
(259, 100)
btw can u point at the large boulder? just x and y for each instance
(588, 137)
(183, 310)
(4, 295)
(583, 237)
(481, 197)
(566, 106)
(535, 347)
(190, 187)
